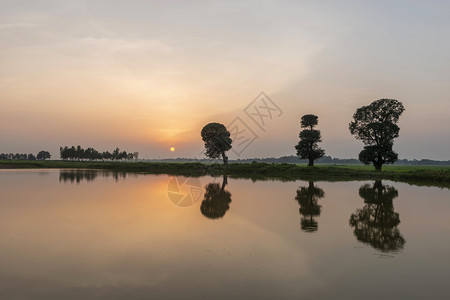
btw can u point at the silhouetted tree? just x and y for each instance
(308, 198)
(307, 147)
(43, 155)
(216, 201)
(64, 153)
(116, 154)
(376, 126)
(123, 155)
(217, 141)
(79, 153)
(90, 153)
(107, 155)
(73, 152)
(376, 223)
(20, 156)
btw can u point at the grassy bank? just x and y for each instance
(418, 175)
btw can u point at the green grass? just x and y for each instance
(418, 175)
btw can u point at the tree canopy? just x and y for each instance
(376, 126)
(43, 155)
(307, 147)
(309, 121)
(217, 141)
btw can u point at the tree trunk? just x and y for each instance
(378, 163)
(311, 162)
(377, 166)
(225, 159)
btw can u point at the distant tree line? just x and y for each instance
(42, 155)
(78, 153)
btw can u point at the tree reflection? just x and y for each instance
(216, 201)
(78, 175)
(308, 197)
(376, 223)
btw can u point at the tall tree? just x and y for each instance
(376, 126)
(217, 141)
(307, 147)
(116, 154)
(79, 152)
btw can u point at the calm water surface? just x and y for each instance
(68, 234)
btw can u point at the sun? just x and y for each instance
(172, 149)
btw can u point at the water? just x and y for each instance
(95, 235)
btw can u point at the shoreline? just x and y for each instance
(438, 176)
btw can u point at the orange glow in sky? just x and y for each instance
(107, 82)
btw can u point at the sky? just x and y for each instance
(148, 75)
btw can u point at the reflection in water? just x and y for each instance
(104, 240)
(184, 191)
(307, 197)
(76, 175)
(216, 201)
(376, 223)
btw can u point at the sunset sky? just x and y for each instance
(148, 75)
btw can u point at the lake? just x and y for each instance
(86, 234)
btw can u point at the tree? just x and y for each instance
(217, 141)
(216, 201)
(116, 154)
(308, 198)
(376, 126)
(123, 155)
(107, 155)
(92, 154)
(307, 147)
(376, 223)
(43, 155)
(79, 152)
